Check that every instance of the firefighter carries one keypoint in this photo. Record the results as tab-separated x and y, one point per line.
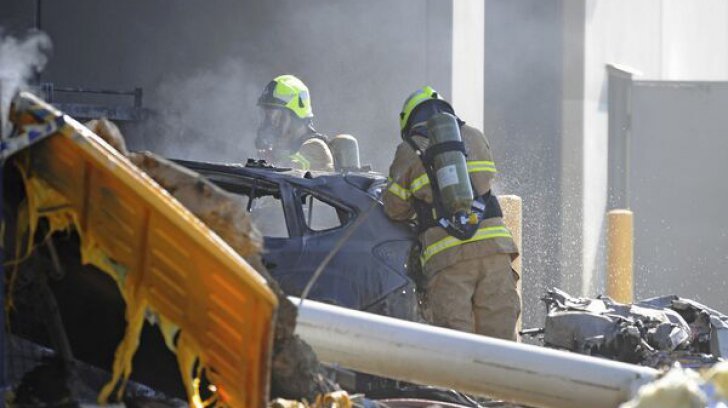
286	136
466	250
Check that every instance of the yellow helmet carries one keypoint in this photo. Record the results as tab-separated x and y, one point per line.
416	98
289	92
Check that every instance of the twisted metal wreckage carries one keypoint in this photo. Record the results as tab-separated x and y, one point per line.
656	332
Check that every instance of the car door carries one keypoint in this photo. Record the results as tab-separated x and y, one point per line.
282	243
323	222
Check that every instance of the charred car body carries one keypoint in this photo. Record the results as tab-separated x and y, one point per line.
303	216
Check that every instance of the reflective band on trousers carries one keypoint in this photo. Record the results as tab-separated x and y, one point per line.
473	167
298	158
448	242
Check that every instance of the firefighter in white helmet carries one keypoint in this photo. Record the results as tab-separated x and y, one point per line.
441	174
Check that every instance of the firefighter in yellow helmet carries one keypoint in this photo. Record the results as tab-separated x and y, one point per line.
286	136
441	175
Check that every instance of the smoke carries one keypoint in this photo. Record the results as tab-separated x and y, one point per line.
359	59
20	59
208	115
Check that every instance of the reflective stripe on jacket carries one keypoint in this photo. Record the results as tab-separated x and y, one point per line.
409	181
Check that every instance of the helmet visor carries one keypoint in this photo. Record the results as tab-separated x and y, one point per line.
275	124
272	117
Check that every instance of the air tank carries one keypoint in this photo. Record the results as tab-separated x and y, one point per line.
345	150
450	167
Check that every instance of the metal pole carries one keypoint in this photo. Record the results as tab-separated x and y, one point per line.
3	231
3	340
466	362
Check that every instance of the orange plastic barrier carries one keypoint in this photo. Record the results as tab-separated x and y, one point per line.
162	257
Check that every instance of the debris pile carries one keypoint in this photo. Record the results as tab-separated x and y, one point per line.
655	332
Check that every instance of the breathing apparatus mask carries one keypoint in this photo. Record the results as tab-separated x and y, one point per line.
274	134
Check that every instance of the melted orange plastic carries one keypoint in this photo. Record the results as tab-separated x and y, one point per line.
162	258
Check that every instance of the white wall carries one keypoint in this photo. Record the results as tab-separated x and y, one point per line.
468	48
694	40
662	39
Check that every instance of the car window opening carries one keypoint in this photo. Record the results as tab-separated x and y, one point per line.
321	215
267	214
261	198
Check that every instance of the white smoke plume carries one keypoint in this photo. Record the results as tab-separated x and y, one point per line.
208	115
20	59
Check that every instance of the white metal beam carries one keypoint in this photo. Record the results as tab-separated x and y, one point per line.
469	363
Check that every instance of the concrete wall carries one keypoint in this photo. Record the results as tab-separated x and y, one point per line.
679	195
210	60
523	87
662	39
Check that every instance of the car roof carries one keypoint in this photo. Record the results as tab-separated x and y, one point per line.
361	180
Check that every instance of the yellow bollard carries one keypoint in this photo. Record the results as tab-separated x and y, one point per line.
512	207
620	244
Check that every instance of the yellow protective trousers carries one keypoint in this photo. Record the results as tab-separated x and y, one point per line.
477	296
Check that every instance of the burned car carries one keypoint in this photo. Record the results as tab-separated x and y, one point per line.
304	216
655	332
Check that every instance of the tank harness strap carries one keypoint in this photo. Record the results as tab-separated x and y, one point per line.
426	217
490	206
434	150
485	206
426	157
